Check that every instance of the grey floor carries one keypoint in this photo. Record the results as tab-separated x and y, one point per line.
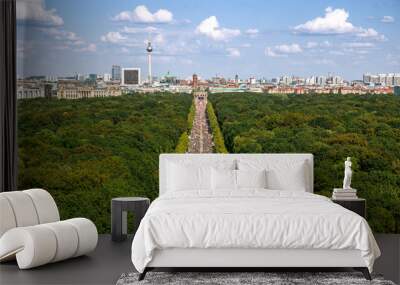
110	260
103	266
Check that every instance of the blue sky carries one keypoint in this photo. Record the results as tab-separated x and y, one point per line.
248	38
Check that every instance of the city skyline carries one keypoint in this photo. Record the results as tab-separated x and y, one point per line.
348	39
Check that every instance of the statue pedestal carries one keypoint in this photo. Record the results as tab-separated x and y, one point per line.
344	194
350	190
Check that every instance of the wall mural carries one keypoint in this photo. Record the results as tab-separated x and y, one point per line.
106	86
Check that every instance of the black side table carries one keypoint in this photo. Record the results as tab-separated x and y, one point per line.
357	205
119	208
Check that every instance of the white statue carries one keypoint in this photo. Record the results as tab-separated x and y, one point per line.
347	174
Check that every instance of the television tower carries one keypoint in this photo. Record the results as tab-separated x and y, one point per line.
149	49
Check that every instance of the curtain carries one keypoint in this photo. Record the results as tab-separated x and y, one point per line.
8	101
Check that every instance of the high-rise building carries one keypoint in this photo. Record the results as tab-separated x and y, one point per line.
130	76
82	77
396	79
389	79
321	80
93	77
382	78
51	78
286	80
386	79
106	77
149	50
374	79
396	90
313	80
337	80
236	79
116	72
367	78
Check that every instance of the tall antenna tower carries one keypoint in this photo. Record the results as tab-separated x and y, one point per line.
149	50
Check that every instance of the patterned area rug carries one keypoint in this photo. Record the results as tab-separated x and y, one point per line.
243	278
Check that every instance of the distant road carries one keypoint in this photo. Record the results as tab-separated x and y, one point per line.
200	136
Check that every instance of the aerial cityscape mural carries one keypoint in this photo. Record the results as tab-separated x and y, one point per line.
105	86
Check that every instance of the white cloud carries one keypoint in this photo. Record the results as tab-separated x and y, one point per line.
69	39
324	61
165	58
356	50
367	33
335	21
323	44
62	47
187	61
359	45
142	15
293	48
113	37
158	39
283	50
387	19
311	45
270	52
252	31
132	43
88	48
370	33
124	50
35	10
60	34
135	30
233	52
124	38
326	44
210	28
336	52
91	47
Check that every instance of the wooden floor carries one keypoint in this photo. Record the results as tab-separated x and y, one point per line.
110	260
